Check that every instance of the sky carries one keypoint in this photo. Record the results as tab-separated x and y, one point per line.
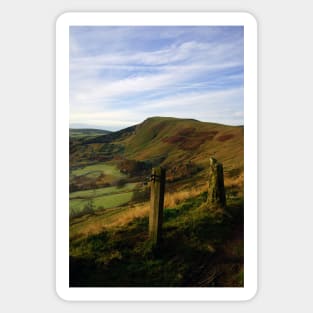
119	76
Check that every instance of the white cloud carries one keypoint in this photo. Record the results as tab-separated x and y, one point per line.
218	106
102	92
180	77
175	77
108	119
208	54
209	98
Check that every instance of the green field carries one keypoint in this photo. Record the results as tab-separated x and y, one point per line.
93	171
101	191
103	198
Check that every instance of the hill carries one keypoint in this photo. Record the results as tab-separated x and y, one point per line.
109	206
173	140
166	141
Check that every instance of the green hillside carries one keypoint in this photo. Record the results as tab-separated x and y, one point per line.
175	140
166	141
109	206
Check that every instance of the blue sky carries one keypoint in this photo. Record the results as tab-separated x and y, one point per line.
119	76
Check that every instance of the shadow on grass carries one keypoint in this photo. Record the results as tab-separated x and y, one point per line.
194	241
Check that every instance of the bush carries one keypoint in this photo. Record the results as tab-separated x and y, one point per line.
134	168
89	208
141	195
121	183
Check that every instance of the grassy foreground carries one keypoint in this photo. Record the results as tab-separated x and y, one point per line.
200	247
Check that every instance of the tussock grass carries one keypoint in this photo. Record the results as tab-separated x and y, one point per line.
117	217
107	220
172	199
137	211
234	181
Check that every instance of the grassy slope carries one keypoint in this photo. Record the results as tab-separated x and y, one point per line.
185	139
110	247
200	248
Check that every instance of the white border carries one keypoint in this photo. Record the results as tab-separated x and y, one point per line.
250	156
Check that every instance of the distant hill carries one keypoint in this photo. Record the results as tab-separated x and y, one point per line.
111	136
173	140
166	141
90	132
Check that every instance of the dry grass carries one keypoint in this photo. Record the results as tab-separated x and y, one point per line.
96	224
236	181
172	199
140	210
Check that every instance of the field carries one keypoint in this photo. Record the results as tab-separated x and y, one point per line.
103	198
100	198
109	206
96	170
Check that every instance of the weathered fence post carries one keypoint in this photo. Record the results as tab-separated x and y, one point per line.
216	192
156	204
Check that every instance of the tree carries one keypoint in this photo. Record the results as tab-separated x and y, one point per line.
89	207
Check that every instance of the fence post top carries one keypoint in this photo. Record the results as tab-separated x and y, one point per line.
158	169
157	174
213	161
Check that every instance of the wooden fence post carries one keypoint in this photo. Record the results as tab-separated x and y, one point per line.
156	204
216	192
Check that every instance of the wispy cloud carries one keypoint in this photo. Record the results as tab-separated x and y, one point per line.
116	80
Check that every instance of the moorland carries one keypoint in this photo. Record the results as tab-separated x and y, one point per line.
109	205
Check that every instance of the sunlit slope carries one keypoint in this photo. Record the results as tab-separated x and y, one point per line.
165	141
172	140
